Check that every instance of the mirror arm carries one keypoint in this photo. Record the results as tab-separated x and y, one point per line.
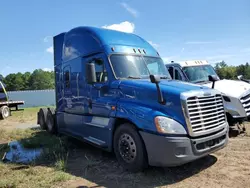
160	96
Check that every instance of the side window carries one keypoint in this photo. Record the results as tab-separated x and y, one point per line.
171	71
67	79
101	73
177	74
153	68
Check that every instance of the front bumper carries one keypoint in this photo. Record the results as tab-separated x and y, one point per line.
175	151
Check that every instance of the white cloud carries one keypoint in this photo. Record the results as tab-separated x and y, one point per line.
50	50
47	69
132	11
123	26
219	57
199	42
47	39
153	44
246	50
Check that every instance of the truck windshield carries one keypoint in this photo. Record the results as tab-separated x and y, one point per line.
136	67
198	74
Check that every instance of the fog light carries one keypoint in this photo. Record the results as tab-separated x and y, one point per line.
180	151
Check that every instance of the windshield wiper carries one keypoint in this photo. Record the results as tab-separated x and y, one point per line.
134	77
164	77
203	81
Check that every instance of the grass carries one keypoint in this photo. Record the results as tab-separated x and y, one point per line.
48	169
30	176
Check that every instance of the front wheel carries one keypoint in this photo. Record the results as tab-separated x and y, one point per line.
129	148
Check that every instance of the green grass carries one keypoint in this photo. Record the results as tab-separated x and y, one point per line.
46	171
30	176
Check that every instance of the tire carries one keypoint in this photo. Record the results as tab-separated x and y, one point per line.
42	118
4	112
51	123
129	148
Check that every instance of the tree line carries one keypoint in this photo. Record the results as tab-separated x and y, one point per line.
231	72
37	80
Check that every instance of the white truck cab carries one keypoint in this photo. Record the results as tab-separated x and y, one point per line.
236	93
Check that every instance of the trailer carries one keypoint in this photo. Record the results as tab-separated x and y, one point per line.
5	104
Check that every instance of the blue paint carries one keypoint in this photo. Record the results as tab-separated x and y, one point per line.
115	95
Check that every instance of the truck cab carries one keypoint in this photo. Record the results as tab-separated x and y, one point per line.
236	93
114	92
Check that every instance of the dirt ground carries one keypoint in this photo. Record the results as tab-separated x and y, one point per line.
92	167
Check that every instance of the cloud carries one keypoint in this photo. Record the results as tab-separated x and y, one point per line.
47	39
123	26
47	69
199	42
153	44
50	50
220	57
182	50
245	50
132	11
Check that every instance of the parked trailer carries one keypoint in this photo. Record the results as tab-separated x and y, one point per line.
114	92
6	104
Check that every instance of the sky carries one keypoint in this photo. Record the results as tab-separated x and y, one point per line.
212	30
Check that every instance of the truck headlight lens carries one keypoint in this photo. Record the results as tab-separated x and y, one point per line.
169	126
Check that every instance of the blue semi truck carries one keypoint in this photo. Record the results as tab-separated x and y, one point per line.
114	92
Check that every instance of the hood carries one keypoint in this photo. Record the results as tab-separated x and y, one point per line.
169	86
143	93
233	88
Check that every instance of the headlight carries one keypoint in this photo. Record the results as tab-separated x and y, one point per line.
167	125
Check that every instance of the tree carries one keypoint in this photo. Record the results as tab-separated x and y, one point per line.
26	77
40	79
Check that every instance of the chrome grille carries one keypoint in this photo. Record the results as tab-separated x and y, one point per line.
246	103
206	114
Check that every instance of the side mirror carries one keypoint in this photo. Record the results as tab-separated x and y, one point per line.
90	73
239	77
155	79
213	78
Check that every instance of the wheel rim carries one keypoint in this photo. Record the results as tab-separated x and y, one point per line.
5	112
127	148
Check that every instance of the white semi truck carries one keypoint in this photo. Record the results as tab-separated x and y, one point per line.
236	93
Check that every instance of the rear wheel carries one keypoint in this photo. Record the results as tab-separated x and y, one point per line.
42	118
4	112
51	123
129	148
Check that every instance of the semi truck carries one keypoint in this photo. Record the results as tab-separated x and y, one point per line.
236	93
114	92
5	103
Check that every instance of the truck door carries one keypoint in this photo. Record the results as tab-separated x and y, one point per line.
102	103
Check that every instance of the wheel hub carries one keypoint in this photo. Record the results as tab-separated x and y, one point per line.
127	148
5	112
